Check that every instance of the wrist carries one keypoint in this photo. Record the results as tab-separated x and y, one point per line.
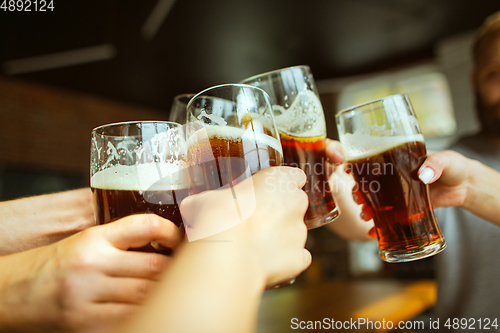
230	256
482	192
473	179
70	212
42	220
20	289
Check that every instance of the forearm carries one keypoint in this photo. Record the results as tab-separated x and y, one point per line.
483	192
212	286
36	221
27	292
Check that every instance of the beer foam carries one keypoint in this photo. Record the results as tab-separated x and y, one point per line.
359	145
142	177
304	118
234	133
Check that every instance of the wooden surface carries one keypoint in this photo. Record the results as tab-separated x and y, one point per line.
375	300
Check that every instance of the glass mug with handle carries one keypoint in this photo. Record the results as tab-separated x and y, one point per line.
139	167
384	149
301	122
231	134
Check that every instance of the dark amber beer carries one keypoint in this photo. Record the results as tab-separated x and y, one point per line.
221	156
390	187
120	191
309	155
112	205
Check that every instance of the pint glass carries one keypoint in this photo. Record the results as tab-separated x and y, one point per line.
231	134
138	167
384	149
301	123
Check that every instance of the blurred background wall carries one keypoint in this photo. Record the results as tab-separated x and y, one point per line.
45	135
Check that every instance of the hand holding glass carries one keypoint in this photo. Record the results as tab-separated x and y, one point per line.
384	149
231	134
138	167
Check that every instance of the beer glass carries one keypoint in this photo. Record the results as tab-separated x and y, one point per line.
178	108
384	149
231	134
301	123
138	167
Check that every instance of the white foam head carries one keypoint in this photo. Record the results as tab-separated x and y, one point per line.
360	145
143	177
229	132
304	118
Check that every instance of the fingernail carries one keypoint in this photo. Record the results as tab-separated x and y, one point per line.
426	175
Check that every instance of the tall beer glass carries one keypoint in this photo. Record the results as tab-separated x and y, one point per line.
138	167
178	109
231	134
301	123
384	148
